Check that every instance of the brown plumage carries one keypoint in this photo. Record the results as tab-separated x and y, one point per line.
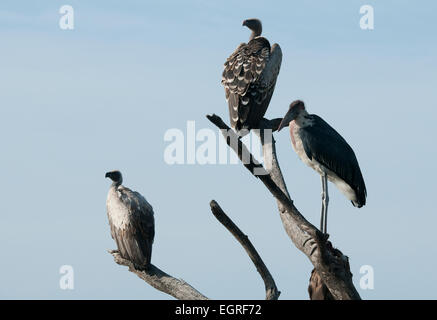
249	78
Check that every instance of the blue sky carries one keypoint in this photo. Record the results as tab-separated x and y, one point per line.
77	103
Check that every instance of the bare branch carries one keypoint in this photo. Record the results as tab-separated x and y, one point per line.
272	292
330	263
161	280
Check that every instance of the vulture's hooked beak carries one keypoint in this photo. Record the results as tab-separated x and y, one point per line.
244	23
107	174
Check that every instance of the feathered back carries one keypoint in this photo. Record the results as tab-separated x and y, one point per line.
249	79
329	148
132	224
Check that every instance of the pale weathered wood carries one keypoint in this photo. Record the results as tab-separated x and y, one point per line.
160	280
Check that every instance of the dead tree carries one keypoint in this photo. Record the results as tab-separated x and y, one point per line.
331	277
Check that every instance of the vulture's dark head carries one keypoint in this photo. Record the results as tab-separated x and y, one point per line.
296	107
254	25
114	176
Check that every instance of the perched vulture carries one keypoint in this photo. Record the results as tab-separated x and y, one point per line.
249	78
131	221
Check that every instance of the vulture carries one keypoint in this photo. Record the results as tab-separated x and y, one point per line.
131	221
249	78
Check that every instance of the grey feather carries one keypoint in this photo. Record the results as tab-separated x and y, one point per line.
134	237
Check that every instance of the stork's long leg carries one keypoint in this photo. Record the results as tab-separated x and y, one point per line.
322	214
325	200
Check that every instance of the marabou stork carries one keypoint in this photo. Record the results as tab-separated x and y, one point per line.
131	221
322	148
249	78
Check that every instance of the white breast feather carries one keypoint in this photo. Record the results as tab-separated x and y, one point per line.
299	149
117	211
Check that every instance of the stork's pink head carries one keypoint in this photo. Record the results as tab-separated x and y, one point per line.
296	107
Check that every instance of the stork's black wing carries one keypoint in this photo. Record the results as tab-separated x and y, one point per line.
249	78
322	143
142	225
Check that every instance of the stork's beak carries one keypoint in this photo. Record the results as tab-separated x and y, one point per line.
282	124
289	116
